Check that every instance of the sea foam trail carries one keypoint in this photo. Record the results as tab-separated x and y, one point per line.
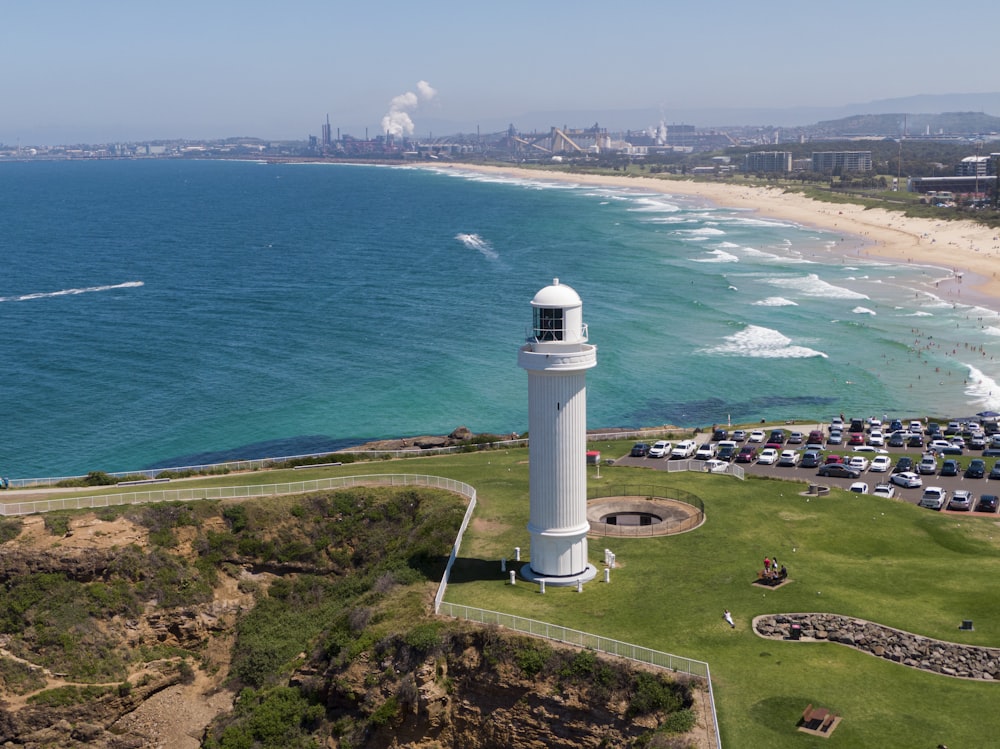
759	342
476	242
983	389
71	292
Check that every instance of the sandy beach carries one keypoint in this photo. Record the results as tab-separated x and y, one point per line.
965	254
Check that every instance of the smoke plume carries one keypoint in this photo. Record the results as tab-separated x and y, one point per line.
397	121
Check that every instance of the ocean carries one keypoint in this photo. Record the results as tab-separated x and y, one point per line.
165	313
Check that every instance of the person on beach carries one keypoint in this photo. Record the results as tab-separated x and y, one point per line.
729	618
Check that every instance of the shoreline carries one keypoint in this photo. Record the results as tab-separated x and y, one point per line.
971	252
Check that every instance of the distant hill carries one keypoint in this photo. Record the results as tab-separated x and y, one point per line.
708	117
892	125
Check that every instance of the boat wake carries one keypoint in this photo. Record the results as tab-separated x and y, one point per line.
476	242
71	292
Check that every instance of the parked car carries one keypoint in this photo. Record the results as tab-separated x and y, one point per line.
915	440
811	459
684	449
660	449
880	464
757	435
988	503
778	436
994	474
949	468
951	450
876	438
767	456
938	444
714	465
906	479
856	461
838	470
706	451
896	439
639	450
977	442
815	436
933	497
884	490
836	437
747	454
789	458
904	464
927	466
859	487
856	438
720	434
727	450
815	447
961	500
834	458
739	435
976	469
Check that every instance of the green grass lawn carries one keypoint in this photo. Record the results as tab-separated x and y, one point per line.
849	554
881	560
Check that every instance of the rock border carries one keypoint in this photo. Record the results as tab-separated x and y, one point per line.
924	653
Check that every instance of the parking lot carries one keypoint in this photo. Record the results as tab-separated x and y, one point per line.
976	486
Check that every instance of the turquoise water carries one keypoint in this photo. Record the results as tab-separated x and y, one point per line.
167	312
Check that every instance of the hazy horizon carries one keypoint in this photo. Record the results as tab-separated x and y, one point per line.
118	71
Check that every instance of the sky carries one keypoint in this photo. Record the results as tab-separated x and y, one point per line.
109	70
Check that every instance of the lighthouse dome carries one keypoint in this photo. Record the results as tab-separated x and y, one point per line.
557	296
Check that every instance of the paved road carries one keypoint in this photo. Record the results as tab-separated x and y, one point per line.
808	475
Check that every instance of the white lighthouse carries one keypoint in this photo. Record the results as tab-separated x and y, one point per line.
557	356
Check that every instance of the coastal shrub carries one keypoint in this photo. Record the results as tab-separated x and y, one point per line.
10	528
56	523
235	517
652	693
532	658
100	478
386	712
20	678
279	717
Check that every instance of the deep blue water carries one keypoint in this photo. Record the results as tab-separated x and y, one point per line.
169	312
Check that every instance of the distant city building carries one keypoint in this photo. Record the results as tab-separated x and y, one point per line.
768	161
842	161
972	166
956	185
327	135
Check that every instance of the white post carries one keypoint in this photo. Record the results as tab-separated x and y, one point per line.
513	577
541	586
503	564
579	586
517	553
607	575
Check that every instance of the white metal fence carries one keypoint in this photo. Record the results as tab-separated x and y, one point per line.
232	492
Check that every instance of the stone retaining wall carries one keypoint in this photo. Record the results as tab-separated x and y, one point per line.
951	659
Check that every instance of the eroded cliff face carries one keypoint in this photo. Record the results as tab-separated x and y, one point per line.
158	674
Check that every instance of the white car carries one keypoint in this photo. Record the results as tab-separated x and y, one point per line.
684	449
859	487
767	456
906	479
869	449
884	490
856	461
706	451
933	497
714	465
789	458
660	449
936	445
880	464
757	435
875	438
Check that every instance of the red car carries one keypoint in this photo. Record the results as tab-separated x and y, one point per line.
857	438
747	454
834	459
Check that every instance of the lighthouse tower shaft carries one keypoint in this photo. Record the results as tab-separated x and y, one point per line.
557	357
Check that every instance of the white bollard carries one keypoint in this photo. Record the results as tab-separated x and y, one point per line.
513	577
503	564
517	553
579	586
541	586
607	556
607	575
612	565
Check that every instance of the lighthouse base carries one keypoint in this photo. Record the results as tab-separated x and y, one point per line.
589	573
